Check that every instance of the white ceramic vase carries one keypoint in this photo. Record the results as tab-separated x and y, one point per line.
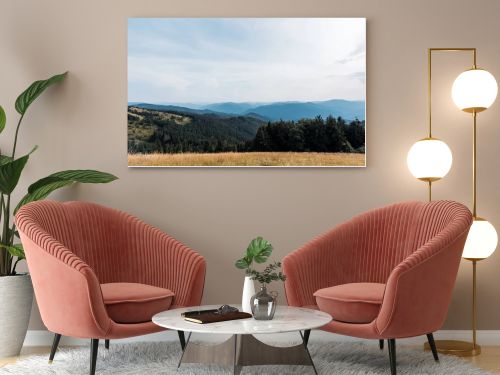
248	292
16	298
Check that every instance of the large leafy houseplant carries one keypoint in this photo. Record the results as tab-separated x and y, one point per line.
11	168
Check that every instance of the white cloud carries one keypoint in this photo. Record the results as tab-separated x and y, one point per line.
213	60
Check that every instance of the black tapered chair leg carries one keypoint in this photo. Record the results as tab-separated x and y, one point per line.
392	355
182	339
381	344
106	344
94	346
432	344
307	333
55	344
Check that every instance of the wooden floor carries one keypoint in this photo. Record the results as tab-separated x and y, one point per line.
488	360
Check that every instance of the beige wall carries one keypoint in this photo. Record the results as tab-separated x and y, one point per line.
82	124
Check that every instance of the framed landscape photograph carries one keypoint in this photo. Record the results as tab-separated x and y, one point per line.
254	92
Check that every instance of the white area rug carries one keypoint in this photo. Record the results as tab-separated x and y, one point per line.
162	358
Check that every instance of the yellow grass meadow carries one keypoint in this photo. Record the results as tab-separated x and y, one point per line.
248	159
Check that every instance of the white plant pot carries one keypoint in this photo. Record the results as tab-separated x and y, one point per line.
16	298
248	292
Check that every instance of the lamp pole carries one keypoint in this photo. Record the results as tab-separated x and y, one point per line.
454	347
429	96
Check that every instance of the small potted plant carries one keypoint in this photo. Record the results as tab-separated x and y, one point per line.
258	251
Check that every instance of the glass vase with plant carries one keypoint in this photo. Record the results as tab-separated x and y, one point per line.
258	251
262	305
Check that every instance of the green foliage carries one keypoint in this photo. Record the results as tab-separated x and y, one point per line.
355	133
29	95
3	119
175	132
306	135
15	250
258	250
43	187
11	170
269	274
161	130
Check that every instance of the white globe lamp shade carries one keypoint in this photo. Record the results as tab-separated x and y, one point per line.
481	241
474	90
429	159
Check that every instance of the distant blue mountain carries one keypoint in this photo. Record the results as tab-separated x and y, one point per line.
288	111
348	110
230	107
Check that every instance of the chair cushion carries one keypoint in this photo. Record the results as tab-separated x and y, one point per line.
351	303
135	303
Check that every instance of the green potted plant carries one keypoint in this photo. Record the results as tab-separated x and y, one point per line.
16	291
259	250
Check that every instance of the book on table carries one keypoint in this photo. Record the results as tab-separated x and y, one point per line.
213	316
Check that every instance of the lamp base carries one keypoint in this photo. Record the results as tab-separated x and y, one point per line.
456	348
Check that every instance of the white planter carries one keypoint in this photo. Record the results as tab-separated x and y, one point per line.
248	292
16	298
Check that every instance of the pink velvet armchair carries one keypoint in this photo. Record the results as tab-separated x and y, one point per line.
99	273
385	274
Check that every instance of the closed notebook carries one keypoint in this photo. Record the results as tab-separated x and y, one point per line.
212	317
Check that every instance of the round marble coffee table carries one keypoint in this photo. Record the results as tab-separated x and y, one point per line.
242	348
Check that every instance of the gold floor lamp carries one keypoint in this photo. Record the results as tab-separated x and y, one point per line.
430	159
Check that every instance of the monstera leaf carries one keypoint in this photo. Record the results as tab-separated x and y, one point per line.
43	187
258	250
31	93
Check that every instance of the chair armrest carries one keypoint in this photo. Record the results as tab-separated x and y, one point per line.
165	262
66	289
419	289
321	263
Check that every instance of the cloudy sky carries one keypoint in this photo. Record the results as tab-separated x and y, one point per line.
245	60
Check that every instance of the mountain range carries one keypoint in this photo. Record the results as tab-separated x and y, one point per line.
288	111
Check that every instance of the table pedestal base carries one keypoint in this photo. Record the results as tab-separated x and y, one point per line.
246	350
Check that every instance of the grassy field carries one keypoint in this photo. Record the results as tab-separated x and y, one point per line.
229	159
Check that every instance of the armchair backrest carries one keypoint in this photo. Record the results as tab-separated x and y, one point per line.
368	247
94	233
386	236
379	241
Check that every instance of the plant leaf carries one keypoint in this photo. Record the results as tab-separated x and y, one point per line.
4	159
43	187
29	95
86	176
3	119
242	263
42	193
10	172
15	250
259	250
